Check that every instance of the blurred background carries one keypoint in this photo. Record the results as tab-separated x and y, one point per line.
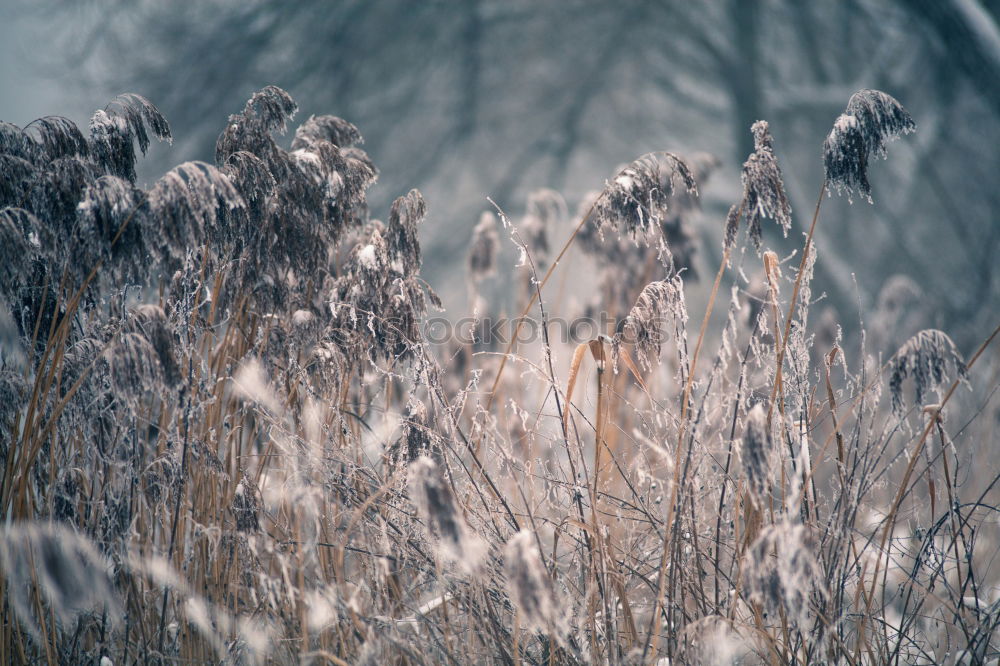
470	99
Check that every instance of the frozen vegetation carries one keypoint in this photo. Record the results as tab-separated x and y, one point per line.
227	435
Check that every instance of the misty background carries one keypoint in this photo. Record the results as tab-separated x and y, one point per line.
487	98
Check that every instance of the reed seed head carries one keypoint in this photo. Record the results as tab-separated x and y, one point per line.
442	516
758	455
72	576
658	303
639	196
871	120
764	190
783	574
529	585
482	257
929	357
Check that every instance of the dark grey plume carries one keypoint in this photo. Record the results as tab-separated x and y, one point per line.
417	438
358	174
376	308
881	118
14	141
272	107
57	137
759	456
135	368
872	119
764	190
783	573
56	192
139	113
442	515
64	567
268	110
732	227
928	357
115	131
187	201
106	226
639	196
545	209
251	177
482	256
336	130
19	245
16	174
14	394
407	212
529	584
151	322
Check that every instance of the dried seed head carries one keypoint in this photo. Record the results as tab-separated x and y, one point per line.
16	174
658	303
732	227
417	438
871	120
763	189
108	228
713	641
929	357
56	192
782	572
759	456
406	213
79	357
482	256
271	107
140	114
639	196
71	574
15	142
376	309
188	201
266	111
151	321
898	293
135	367
13	397
529	585
57	137
252	178
546	208
336	130
442	517
19	246
116	129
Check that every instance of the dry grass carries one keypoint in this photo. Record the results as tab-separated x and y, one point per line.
225	438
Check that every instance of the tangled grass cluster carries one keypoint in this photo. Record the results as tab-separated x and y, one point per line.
224	438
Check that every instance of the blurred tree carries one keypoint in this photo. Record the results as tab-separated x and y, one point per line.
497	97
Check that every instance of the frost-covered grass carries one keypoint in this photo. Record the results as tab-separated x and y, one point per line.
226	436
